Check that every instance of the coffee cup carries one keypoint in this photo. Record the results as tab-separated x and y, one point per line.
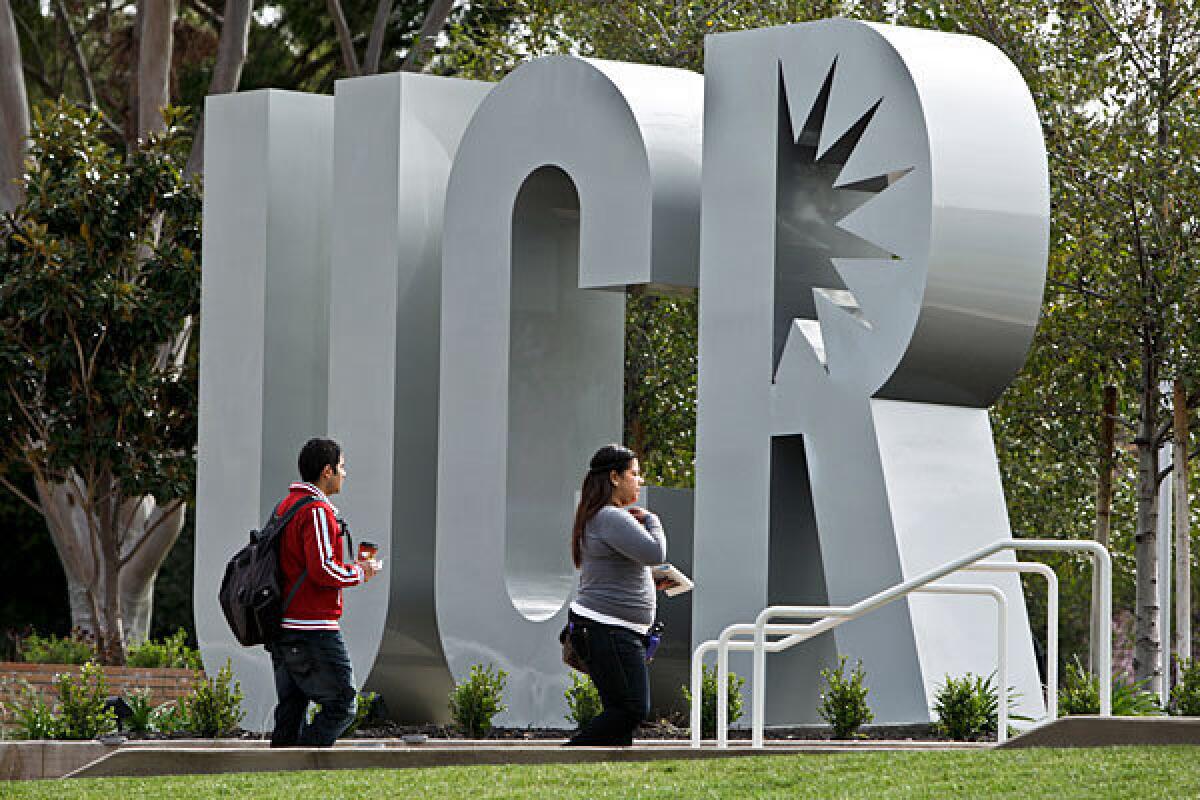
367	550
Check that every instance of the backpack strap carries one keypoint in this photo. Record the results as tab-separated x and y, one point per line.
283	523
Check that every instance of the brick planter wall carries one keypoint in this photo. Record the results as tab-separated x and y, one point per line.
164	684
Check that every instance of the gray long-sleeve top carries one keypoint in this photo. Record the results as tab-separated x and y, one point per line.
617	553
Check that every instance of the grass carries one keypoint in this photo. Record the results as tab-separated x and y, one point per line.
1107	772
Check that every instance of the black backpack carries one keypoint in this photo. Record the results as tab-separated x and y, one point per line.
251	592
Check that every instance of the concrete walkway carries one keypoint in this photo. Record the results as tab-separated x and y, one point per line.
33	760
144	760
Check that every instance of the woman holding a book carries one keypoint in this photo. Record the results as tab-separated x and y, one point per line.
614	544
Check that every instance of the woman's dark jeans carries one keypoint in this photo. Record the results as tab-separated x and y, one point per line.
616	660
311	665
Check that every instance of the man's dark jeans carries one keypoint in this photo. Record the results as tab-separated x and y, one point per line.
616	661
311	665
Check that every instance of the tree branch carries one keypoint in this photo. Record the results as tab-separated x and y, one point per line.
1132	45
349	60
383	13
227	71
1080	289
85	73
431	26
12	487
137	546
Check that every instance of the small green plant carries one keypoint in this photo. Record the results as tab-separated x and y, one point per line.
1185	696
140	711
363	702
583	700
362	711
81	702
214	706
968	708
476	700
170	718
172	651
35	719
1080	694
708	700
76	648
844	700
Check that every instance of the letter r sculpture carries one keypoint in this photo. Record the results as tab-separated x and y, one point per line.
875	206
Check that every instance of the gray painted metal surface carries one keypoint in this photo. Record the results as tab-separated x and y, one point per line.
574	175
872	262
871	267
395	139
264	352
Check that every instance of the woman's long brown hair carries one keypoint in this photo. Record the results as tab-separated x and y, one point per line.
597	491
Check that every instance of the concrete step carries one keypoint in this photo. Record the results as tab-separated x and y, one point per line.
1086	731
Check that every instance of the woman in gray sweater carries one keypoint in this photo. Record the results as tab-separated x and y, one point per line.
613	544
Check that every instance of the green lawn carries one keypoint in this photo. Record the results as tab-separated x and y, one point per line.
1125	772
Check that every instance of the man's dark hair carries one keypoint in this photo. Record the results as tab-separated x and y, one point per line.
315	454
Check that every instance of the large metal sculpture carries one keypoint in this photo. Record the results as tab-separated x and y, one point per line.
874	237
596	189
874	246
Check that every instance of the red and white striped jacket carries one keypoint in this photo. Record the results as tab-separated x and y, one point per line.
314	539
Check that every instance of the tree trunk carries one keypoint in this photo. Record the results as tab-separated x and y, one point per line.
163	525
1147	649
345	40
14	111
137	531
227	72
1104	498
156	22
1183	549
431	26
383	13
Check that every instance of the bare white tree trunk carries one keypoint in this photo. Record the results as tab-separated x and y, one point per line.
156	21
1104	497
145	533
162	524
14	111
383	12
227	72
1183	541
1147	648
345	40
431	26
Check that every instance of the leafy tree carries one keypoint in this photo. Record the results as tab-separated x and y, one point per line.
1117	86
98	397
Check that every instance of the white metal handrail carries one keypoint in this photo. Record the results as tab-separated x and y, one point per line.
829	617
804	632
1038	568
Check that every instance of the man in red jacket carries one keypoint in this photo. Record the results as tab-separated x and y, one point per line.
309	656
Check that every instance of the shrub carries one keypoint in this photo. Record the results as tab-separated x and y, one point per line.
476	700
214	706
169	718
362	711
1080	694
1185	697
363	703
77	648
140	711
81	704
708	700
967	708
844	701
172	651
35	719
583	700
